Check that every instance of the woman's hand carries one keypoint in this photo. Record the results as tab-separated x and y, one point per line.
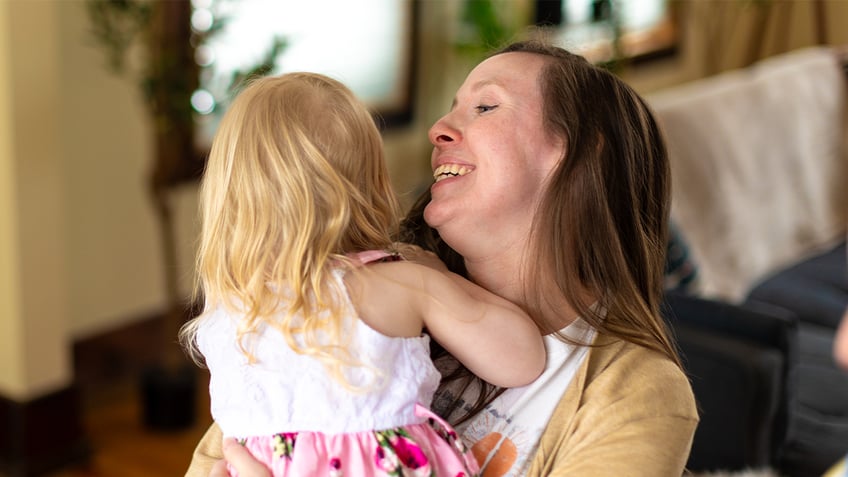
240	459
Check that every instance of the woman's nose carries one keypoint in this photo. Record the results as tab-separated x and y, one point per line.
442	132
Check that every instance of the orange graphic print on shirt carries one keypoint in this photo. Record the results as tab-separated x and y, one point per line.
501	460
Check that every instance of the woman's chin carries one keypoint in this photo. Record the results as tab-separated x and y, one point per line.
433	214
441	213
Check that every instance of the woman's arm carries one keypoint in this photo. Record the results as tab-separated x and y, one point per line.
654	447
630	411
208	451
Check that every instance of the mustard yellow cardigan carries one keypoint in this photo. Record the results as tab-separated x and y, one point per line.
628	411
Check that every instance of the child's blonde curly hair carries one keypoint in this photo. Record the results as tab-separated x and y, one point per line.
296	178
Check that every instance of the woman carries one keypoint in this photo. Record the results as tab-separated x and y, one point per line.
331	354
552	183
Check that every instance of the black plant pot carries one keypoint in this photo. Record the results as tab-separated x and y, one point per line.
168	397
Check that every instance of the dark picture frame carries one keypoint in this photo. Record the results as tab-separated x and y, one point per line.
612	39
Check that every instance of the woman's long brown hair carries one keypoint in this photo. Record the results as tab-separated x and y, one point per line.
603	220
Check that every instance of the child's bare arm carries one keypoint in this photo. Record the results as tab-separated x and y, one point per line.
493	337
490	335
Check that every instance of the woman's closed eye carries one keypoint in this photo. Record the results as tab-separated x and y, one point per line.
485	108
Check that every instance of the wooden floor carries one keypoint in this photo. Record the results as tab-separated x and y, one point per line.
123	447
108	370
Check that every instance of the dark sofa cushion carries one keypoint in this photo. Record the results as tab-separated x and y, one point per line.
738	360
818	434
738	385
815	289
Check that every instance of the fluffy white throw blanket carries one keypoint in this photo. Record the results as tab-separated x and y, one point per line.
759	166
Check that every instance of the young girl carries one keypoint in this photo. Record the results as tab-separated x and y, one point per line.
313	325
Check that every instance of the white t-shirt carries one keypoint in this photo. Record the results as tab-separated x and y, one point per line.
506	433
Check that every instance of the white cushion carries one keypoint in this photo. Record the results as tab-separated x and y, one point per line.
759	166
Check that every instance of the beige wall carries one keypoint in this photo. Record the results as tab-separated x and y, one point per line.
79	246
36	322
114	269
10	307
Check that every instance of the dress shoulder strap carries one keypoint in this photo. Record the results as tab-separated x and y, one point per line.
374	256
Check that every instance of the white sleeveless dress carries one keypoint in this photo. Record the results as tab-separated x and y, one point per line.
298	420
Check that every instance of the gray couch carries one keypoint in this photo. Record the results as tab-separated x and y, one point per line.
760	196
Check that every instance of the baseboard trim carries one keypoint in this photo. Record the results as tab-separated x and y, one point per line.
42	434
123	353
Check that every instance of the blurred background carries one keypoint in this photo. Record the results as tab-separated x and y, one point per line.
106	109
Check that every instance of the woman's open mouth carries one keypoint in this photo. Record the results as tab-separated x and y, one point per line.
447	171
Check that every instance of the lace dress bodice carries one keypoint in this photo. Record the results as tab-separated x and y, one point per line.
283	391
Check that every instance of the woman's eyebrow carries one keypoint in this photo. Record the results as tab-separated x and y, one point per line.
478	86
486	82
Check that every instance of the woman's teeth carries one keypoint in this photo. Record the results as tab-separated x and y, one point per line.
450	170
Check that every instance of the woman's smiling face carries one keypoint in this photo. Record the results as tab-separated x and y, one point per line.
492	155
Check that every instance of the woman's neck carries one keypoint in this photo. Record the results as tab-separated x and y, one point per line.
499	276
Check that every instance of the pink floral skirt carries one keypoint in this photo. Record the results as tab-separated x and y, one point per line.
431	448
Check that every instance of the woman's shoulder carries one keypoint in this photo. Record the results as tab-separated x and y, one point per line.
628	403
622	370
614	351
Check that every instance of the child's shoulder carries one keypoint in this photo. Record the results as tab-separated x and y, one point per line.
401	270
388	296
410	260
374	256
394	281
